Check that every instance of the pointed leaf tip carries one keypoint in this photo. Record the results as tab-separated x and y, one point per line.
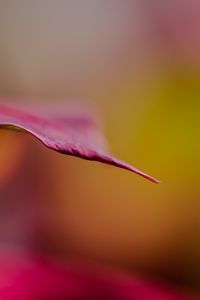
74	134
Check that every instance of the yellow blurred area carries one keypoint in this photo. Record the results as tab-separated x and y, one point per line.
111	215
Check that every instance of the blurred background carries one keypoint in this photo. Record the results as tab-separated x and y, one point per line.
138	63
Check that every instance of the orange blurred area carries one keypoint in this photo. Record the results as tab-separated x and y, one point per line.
11	156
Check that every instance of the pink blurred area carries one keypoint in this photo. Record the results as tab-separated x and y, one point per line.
35	277
138	63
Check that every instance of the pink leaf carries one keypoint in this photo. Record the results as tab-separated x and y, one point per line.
72	134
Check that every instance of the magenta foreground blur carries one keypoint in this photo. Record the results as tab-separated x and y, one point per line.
75	135
33	278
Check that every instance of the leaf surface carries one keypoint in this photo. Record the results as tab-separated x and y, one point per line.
69	133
